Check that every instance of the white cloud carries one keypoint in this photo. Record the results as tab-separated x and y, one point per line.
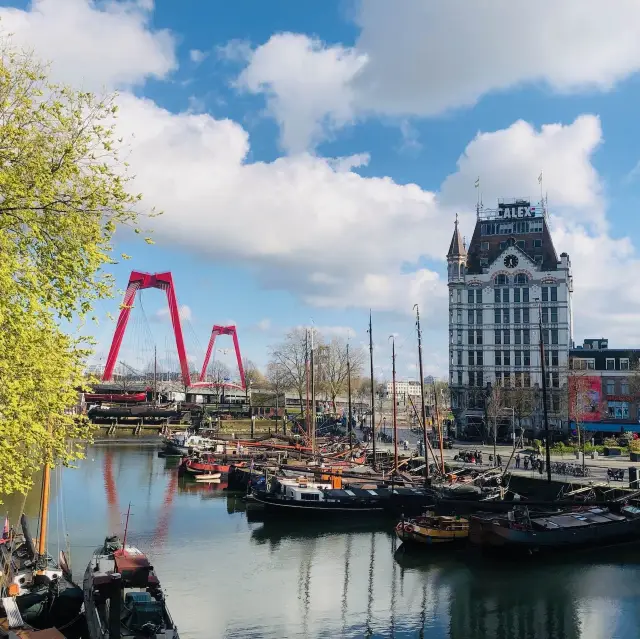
93	46
306	84
424	58
197	56
184	312
235	51
263	325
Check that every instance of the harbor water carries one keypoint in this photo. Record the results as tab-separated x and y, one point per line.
229	574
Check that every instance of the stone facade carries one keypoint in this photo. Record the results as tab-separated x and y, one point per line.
499	288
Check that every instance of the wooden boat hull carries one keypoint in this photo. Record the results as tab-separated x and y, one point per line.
490	534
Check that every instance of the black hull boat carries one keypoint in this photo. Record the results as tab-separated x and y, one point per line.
522	531
38	593
123	597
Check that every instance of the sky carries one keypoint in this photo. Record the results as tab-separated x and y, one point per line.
310	158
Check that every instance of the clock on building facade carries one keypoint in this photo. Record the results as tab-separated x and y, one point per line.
511	261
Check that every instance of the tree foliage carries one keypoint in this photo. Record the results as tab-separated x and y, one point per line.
63	192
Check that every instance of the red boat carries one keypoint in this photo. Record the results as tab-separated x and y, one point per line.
122	398
205	465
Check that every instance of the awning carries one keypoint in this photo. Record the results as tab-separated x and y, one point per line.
608	427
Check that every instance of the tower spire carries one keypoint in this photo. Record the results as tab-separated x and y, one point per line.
456	248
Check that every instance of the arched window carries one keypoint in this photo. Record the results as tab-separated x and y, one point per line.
521	278
455	270
501	279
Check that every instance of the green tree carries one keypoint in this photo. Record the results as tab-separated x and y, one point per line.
63	193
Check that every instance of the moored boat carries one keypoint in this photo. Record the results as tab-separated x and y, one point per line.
576	528
433	529
122	595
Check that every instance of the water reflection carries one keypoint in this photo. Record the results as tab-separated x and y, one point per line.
229	573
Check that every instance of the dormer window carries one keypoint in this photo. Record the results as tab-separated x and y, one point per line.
521	278
501	279
538	259
511	241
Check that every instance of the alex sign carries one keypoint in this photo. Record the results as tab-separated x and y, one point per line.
585	398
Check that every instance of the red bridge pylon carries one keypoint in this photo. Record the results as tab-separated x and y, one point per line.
222	330
139	281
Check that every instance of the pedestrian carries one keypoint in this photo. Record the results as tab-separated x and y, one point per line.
499	460
540	467
526	463
518	460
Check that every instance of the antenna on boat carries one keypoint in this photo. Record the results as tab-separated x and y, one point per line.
373	398
126	529
395	421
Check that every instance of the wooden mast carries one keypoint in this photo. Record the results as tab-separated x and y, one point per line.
435	399
395	421
422	395
44	502
373	397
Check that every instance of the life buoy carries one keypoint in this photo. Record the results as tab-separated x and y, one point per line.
408	528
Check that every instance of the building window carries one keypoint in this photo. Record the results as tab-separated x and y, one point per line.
497	315
480	382
478	317
518	358
516	315
484	262
484	246
554	293
478	338
624	364
503	245
611	387
498	358
501	279
472	378
624	388
545	315
521	278
537	243
545	293
459	337
505	315
611	364
526	358
506	358
506	338
505	295
618	410
459	316
525	315
470	293
518	380
526	380
517	334
556	403
555	380
479	296
581	364
498	336
554	358
498	376
554	335
471	358
479	358
496	296
545	337
459	378
459	296
470	337
526	336
538	259
554	315
470	316
516	295
459	358
525	295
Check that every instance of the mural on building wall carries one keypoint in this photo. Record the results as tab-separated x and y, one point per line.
585	398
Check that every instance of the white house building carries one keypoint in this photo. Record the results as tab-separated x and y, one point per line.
410	387
509	276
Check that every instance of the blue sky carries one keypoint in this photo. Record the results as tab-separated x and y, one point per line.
310	157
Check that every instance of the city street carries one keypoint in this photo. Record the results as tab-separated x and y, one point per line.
597	467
